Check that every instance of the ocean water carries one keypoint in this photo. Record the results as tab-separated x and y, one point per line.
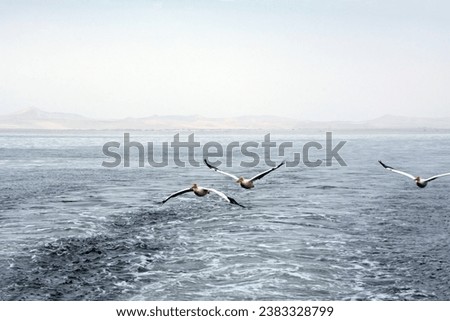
71	229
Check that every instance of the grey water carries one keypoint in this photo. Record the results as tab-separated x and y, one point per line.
71	229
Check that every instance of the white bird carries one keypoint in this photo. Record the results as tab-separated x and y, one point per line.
202	191
245	183
419	181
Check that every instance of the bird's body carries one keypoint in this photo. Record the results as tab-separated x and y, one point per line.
420	182
199	191
243	182
202	191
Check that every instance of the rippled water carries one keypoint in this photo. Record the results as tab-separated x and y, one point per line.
74	230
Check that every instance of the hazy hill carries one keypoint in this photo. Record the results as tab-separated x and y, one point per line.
33	118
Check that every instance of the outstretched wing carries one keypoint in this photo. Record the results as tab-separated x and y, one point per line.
177	193
389	168
227	198
261	175
436	176
219	171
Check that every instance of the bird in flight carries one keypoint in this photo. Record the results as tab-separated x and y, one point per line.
245	183
202	191
421	182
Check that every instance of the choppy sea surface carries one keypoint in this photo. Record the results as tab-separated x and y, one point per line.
71	229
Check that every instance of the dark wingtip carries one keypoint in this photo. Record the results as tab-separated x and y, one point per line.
383	164
233	201
279	165
207	164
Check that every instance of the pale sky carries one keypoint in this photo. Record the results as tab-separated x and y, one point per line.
305	59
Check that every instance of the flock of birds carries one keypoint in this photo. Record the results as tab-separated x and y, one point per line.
243	182
248	183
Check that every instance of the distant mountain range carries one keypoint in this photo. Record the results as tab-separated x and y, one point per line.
33	118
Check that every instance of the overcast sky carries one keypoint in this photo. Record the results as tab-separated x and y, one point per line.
306	59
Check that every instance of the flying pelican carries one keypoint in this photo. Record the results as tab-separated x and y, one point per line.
419	181
202	191
245	183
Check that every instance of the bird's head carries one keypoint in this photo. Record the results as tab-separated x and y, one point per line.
194	185
240	180
417	179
